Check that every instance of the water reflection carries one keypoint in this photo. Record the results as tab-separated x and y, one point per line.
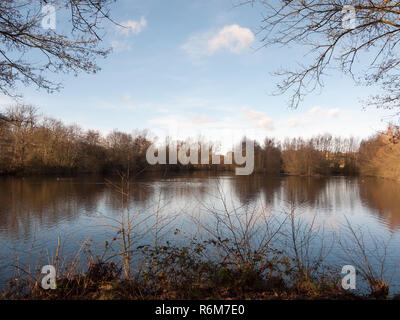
40	209
44	202
249	188
383	197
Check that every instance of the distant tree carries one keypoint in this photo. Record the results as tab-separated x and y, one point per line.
267	158
91	152
28	51
320	155
324	28
24	119
380	154
273	156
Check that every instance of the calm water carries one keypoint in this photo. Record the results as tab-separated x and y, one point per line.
35	211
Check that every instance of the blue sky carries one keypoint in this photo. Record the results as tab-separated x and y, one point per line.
190	68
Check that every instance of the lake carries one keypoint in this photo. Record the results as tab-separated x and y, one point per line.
35	211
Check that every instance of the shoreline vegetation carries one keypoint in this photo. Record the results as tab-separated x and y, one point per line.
235	261
217	269
31	144
176	273
246	253
240	253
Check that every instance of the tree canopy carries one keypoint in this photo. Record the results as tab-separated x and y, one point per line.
368	50
29	53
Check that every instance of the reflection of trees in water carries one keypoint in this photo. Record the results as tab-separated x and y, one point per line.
383	196
24	203
299	190
249	188
333	195
140	193
31	203
184	187
318	192
149	189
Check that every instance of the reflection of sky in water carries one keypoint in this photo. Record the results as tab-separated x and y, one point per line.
35	211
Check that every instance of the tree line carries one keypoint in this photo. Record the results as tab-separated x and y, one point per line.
32	144
380	155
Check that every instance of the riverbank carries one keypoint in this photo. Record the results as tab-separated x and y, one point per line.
186	279
181	274
276	238
33	144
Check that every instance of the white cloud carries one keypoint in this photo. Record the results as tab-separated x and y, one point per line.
259	119
314	115
4	101
295	122
132	27
162	110
202	118
128	99
226	129
333	113
170	122
126	28
245	119
314	110
120	46
173	121
233	38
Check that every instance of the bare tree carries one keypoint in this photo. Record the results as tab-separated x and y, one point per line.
242	235
28	51
318	25
370	260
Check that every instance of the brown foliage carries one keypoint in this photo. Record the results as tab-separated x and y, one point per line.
380	155
31	144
